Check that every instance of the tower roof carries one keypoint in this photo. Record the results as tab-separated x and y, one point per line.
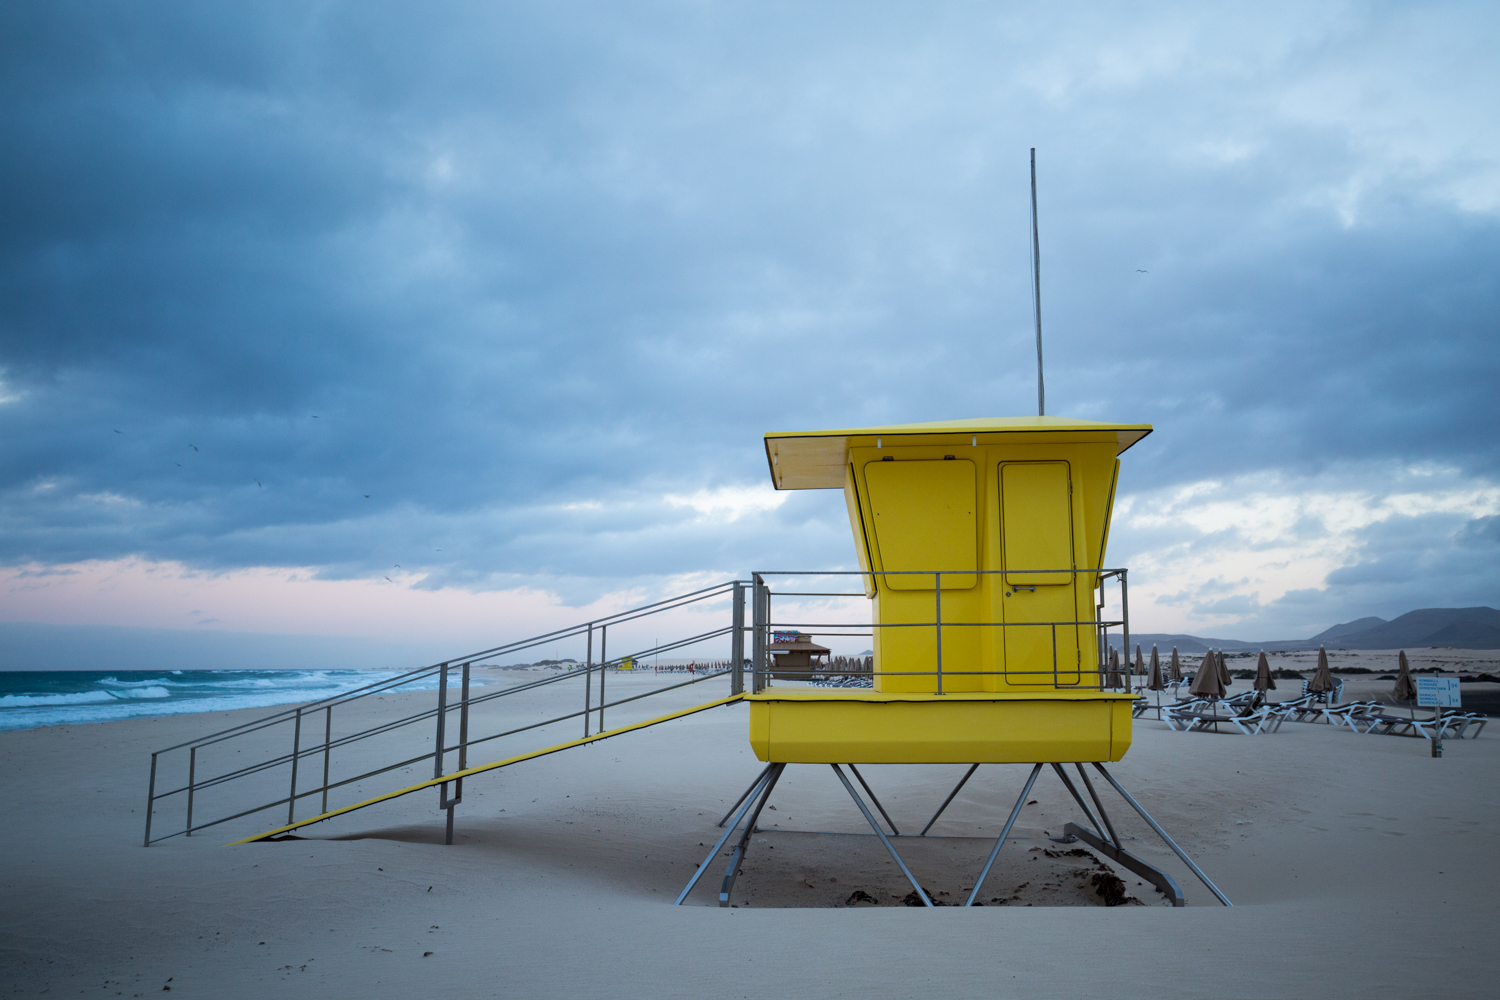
815	460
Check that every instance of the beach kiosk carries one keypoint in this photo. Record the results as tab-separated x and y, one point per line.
795	656
981	548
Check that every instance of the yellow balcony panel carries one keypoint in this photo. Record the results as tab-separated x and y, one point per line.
873	727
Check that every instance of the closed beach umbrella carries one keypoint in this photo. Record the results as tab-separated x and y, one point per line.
1140	667
1224	677
1175	673
1405	689
1206	682
1263	681
1112	678
1322	680
1154	681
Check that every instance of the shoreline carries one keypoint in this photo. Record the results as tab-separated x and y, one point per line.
1368	683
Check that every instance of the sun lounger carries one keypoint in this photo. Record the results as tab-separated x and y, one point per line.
1456	725
1174	714
1298	708
1326	697
1357	715
1261	720
1460	722
1443	726
1477	720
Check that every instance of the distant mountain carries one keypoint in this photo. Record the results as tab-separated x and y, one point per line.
1346	629
1461	628
1465	628
1198	645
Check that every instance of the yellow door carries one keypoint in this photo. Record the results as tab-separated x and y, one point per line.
1036	533
924	520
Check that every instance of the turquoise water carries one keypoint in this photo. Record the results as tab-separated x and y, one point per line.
32	698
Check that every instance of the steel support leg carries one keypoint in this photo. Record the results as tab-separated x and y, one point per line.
999	843
1073	790
719	844
1163	835
865	785
738	854
921	894
753	786
1108	826
961	782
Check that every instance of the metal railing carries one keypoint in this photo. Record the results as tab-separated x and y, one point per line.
265	740
271	755
1105	679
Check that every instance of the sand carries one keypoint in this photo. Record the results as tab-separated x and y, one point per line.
1357	864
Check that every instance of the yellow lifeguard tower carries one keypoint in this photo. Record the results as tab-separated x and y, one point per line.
981	546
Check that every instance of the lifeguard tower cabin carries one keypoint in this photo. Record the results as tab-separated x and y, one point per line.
980	544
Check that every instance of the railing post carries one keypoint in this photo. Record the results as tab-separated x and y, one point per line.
588	681
463	730
192	775
603	668
327	739
756	633
766	675
442	734
1054	657
938	591
1124	622
291	804
1101	631
463	750
150	800
737	641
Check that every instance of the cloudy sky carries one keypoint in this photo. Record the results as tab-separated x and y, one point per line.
442	322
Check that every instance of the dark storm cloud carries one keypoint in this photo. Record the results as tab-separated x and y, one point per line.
520	258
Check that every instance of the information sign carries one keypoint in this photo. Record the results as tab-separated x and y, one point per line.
1438	692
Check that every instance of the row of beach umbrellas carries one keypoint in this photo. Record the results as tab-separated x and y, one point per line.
1212	678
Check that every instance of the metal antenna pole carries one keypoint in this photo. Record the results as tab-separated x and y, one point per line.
1036	292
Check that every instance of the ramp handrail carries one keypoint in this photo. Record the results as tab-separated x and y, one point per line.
480	769
299	753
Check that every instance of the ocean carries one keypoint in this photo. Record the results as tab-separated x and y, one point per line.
32	698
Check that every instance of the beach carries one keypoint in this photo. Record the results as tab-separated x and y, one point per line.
1357	864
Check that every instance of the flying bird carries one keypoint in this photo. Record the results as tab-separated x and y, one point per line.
389	580
367	496
178	464
194	447
398	565
257	483
117	431
315	416
1140	270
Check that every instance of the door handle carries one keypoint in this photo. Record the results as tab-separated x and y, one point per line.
1014	589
